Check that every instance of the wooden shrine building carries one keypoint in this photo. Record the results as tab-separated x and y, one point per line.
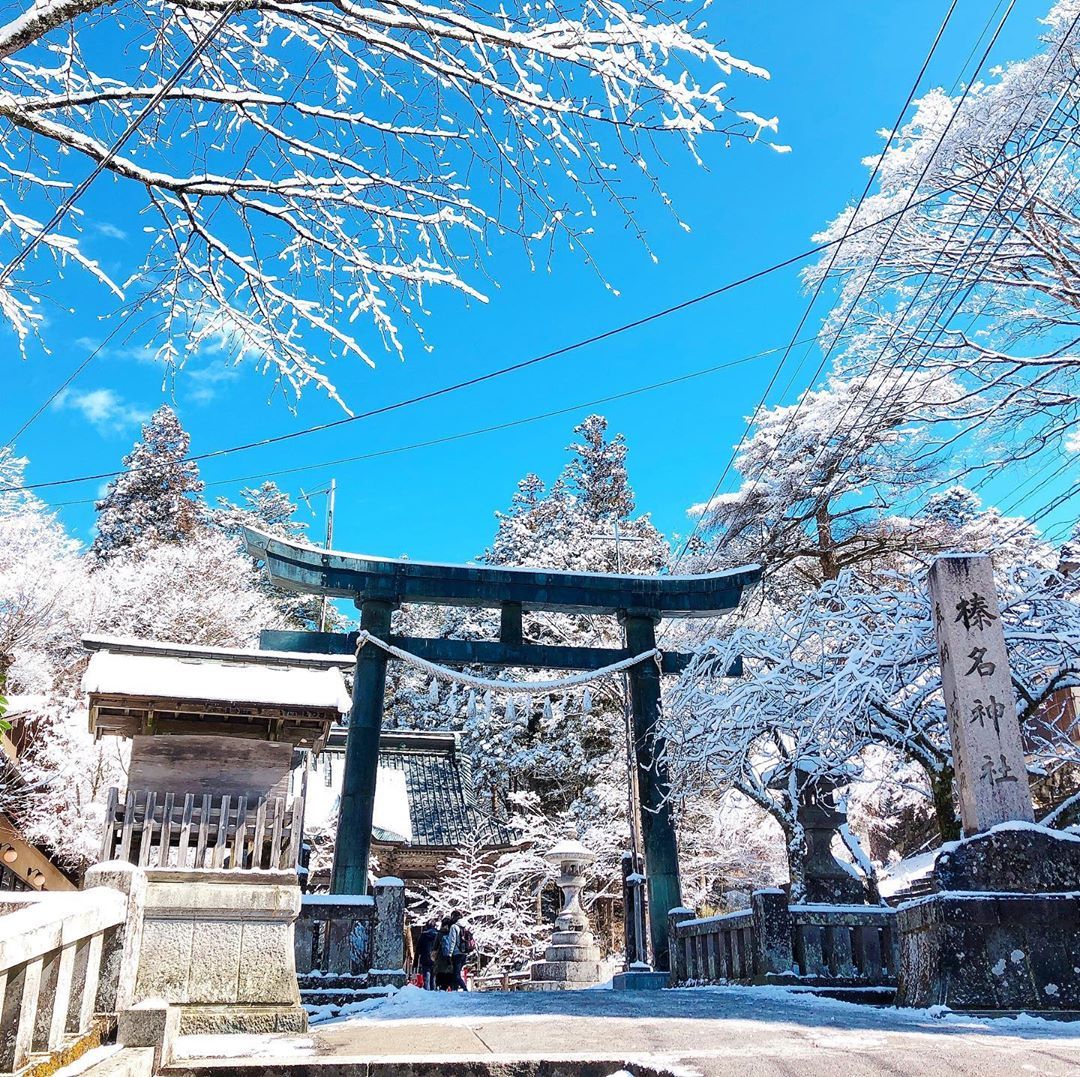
378	586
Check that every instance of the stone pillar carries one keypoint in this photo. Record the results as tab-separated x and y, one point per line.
988	754
388	957
657	826
1002	932
573	958
353	849
120	952
774	954
676	949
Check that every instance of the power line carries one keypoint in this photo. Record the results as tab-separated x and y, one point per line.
789	424
514	367
447	439
821	282
872	409
848	232
150	295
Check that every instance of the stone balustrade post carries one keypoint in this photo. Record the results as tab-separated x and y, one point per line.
388	955
773	950
120	949
676	946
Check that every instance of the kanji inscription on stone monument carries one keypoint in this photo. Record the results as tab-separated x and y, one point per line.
988	754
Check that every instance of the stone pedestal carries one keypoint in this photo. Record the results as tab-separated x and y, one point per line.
219	946
573	958
1003	933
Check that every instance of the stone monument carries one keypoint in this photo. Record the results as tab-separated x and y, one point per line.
1002	932
828	880
573	958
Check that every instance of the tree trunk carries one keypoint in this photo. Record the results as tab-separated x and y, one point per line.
826	556
941	788
796	856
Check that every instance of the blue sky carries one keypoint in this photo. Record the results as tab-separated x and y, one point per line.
839	72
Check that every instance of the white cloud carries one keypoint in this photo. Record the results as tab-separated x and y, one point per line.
110	230
105	410
206	379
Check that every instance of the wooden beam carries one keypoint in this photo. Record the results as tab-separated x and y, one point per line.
30	861
461	652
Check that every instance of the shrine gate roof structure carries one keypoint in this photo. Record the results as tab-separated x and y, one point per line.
301	567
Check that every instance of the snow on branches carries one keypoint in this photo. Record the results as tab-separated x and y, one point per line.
328	162
980	283
855	667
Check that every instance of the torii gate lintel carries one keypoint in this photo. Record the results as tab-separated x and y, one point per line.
379	585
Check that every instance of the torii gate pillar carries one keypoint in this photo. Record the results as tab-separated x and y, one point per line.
654	787
379	585
357	804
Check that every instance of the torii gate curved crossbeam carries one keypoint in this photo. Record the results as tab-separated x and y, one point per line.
379	585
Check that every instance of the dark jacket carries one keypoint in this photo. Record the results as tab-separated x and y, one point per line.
425	947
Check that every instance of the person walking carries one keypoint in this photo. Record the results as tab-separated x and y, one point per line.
425	952
462	946
444	957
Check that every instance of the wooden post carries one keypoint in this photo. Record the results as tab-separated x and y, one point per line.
657	827
988	754
353	849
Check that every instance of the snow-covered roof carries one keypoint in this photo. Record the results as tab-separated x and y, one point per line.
423	792
243	655
391	820
209	678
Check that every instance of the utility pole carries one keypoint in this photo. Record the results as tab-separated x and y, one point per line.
329	544
636	933
331	492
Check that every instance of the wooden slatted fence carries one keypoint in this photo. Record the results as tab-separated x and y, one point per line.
203	831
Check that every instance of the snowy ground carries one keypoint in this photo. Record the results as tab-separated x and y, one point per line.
707	1031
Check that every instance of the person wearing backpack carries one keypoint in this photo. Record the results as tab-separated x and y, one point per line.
426	954
463	945
444	956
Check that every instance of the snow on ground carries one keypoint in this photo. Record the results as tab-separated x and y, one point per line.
896	876
244	1045
413	1004
706	1032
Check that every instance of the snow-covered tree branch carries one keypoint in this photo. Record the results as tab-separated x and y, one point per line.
981	285
326	161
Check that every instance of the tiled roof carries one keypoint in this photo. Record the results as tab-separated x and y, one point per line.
438	778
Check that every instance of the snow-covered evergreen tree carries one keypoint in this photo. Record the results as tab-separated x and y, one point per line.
155	499
269	508
823	485
202	591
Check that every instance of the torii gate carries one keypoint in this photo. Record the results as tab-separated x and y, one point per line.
379	585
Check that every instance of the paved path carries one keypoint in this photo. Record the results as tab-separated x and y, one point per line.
707	1031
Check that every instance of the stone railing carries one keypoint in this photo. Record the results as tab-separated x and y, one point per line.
67	965
335	933
353	936
711	948
772	942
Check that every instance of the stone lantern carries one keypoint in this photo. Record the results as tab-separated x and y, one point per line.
573	958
